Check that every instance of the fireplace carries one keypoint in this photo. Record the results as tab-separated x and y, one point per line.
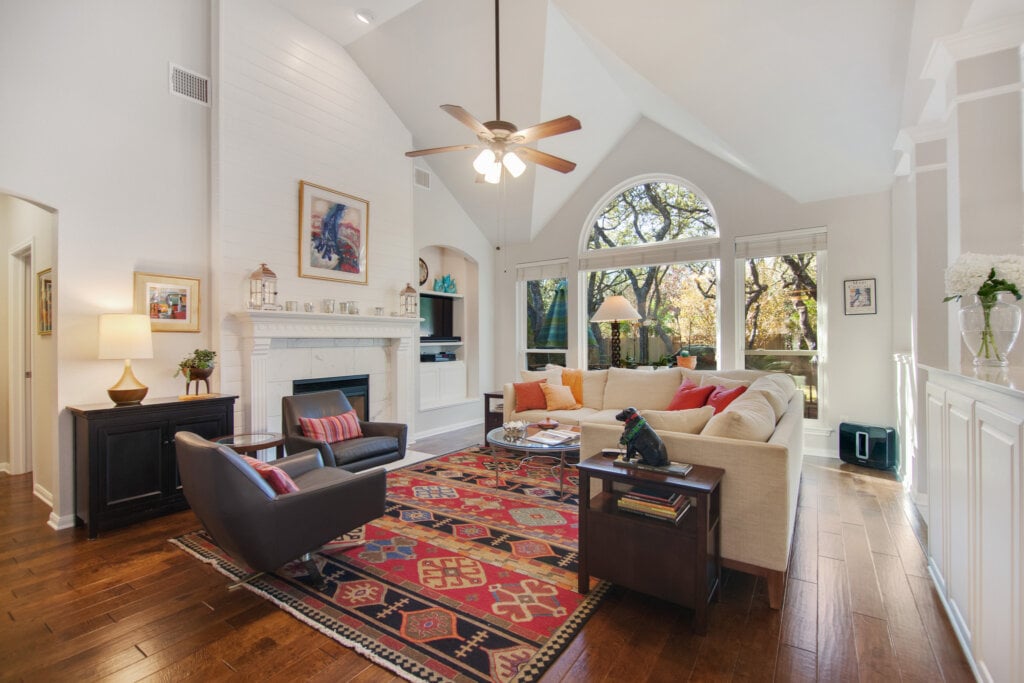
355	387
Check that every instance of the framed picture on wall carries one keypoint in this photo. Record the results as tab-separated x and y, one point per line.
860	297
44	301
171	302
334	231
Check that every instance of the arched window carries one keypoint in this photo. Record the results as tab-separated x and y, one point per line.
655	242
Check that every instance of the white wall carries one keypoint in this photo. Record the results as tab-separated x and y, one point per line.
441	222
88	127
294	106
22	222
857	372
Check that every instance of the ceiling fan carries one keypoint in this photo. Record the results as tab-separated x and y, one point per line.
502	142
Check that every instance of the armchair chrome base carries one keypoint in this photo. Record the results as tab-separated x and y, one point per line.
307	560
241	582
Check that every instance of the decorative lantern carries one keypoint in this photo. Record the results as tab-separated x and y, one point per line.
262	288
409	302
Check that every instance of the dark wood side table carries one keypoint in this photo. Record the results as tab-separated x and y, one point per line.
680	562
494	415
253	443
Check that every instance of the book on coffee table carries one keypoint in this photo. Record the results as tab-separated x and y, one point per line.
553	437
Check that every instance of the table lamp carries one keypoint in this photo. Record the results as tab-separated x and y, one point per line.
127	336
614	310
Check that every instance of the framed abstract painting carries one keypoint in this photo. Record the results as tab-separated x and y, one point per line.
860	297
171	302
333	235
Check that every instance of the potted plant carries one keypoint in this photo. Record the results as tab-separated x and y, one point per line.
196	366
685	360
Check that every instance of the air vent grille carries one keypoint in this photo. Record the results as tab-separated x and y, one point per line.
190	85
422	179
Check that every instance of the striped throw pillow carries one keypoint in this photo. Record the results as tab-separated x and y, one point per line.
332	429
277	478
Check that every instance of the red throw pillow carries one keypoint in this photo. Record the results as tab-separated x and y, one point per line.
277	478
689	396
721	397
529	396
332	429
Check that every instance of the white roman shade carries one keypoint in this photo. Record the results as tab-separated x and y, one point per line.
656	254
779	243
542	270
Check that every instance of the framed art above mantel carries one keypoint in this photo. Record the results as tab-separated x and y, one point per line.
333	235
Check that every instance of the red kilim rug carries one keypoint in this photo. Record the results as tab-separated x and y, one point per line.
467	577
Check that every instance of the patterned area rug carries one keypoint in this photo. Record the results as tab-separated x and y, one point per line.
469	576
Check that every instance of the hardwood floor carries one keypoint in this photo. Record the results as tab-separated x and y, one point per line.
130	606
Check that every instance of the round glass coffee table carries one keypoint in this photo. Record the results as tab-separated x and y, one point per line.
251	443
536	453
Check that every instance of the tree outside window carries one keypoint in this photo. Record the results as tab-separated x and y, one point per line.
546	322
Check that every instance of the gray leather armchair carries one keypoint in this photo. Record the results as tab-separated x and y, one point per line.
265	530
381	443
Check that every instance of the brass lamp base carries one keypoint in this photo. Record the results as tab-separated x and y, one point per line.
128	391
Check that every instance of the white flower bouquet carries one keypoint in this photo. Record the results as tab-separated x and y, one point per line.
985	276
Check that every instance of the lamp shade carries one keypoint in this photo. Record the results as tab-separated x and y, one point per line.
614	308
125	335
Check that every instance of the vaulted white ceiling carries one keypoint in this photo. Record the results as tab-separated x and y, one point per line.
805	95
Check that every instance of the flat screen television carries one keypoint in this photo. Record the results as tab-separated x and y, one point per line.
436	312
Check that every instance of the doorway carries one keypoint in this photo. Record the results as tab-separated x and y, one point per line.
19	345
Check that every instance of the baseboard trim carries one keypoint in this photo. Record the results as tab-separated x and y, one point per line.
57	523
42	494
5	468
446	428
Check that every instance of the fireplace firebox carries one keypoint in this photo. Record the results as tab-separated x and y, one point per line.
355	387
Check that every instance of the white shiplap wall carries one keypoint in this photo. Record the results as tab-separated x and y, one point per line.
293	106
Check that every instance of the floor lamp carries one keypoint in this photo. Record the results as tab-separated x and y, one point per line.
615	309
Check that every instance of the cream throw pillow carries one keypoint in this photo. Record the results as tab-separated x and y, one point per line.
639	389
777	397
553	376
723	382
559	397
684	421
750	417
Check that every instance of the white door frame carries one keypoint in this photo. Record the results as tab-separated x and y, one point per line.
19	345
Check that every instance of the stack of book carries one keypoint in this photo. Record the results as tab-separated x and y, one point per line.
654	503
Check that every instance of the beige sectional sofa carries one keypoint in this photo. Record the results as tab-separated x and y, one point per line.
757	440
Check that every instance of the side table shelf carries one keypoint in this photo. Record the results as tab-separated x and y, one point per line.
494	415
677	561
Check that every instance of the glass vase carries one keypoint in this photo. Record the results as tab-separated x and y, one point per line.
989	327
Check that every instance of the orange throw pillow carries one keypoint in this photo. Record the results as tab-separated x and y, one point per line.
574	380
689	396
529	396
559	397
721	397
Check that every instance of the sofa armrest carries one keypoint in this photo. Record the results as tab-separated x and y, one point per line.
300	463
509	402
297	444
396	429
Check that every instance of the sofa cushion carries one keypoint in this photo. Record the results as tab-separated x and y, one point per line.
558	397
727	382
594	382
553	375
275	477
605	417
640	388
346	452
750	417
529	395
721	397
689	396
686	421
573	378
332	428
777	396
567	417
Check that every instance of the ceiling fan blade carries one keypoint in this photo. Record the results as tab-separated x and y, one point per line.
438	150
565	124
545	159
468	120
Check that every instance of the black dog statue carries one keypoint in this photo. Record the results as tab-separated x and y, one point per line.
640	439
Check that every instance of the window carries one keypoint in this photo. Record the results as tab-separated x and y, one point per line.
655	242
780	307
543	312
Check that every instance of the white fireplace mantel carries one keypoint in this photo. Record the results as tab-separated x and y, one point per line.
258	328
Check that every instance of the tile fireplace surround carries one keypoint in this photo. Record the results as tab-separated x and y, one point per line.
263	333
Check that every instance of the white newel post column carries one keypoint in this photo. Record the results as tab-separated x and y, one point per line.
254	383
402	380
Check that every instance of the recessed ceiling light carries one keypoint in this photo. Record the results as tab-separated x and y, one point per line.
364	15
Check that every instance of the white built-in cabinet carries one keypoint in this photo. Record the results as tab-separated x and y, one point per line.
442	384
975	434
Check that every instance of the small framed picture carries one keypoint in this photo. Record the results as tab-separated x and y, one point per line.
44	301
860	297
171	302
334	229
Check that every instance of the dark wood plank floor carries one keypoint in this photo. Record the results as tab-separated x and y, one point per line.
131	606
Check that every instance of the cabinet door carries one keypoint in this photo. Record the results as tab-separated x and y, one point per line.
997	634
129	468
208	421
961	504
452	380
430	389
937	454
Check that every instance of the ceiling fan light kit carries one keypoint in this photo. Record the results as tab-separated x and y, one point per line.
501	140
